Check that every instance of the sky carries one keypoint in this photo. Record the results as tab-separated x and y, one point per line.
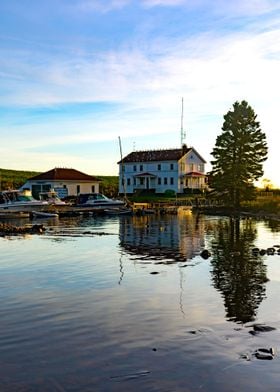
75	75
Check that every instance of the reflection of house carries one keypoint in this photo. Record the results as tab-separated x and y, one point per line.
66	182
173	237
161	170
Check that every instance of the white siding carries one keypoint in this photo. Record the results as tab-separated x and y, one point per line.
166	171
71	186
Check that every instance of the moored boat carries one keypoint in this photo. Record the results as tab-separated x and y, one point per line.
51	198
42	214
19	201
97	200
118	211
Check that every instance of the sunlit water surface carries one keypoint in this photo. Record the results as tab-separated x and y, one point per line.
128	304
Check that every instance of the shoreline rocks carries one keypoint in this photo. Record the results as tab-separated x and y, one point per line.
7	229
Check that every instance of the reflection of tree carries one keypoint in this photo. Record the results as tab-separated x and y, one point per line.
273	225
237	273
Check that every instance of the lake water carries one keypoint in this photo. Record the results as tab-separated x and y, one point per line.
128	304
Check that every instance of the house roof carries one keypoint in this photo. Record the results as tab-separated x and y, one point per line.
64	174
195	174
159	155
199	156
156	155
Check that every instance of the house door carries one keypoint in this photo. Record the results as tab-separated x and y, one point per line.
147	183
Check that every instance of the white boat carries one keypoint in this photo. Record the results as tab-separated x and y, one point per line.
19	201
42	214
118	211
51	197
97	200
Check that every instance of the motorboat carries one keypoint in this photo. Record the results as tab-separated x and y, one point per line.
51	197
42	214
97	200
16	200
118	211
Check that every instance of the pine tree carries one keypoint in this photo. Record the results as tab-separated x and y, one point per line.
239	153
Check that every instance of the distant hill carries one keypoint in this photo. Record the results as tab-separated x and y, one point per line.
16	178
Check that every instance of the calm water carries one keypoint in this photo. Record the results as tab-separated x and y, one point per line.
128	304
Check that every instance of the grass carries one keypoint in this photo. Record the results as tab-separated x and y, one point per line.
14	178
269	204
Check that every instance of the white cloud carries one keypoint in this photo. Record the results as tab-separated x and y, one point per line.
246	7
164	3
102	6
211	72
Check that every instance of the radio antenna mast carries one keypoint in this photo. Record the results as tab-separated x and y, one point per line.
183	133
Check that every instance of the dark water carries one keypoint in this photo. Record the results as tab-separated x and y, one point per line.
128	304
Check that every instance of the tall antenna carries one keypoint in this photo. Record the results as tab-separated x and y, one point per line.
183	133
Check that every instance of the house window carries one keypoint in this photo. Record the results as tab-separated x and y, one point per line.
78	189
200	168
128	182
134	168
191	166
46	187
141	181
141	167
134	181
159	166
93	188
171	166
165	180
159	181
171	180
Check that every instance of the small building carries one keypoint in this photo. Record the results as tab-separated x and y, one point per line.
65	182
180	170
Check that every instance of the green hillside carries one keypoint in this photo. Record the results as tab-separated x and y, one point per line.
16	178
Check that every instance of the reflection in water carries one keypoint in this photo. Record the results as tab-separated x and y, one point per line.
76	315
121	270
237	273
176	238
181	292
273	225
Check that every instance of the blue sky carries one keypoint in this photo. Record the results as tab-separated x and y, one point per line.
76	74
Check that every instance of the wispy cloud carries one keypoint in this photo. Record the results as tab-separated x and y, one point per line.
145	72
102	6
163	3
246	7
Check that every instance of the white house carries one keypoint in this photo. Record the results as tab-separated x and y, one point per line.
65	182
179	170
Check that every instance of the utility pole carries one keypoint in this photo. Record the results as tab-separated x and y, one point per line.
122	171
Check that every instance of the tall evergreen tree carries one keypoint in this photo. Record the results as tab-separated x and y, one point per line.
239	153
